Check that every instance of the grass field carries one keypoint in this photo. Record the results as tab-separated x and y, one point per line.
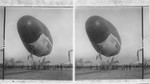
39	74
147	74
110	74
1	73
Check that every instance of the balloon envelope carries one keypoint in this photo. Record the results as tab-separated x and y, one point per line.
34	35
103	36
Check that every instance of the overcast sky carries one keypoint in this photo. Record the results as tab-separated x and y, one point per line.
57	20
1	32
146	33
127	21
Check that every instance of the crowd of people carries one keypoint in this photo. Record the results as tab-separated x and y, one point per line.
146	66
78	67
38	67
109	67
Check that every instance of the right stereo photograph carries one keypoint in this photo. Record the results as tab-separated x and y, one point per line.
109	43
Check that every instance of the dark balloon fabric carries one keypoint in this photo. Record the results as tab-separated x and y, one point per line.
30	29
98	29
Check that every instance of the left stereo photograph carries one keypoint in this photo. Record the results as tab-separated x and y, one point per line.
1	41
38	43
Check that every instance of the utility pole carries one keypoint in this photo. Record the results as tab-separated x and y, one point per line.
69	54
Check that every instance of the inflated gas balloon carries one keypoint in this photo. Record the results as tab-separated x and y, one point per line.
35	36
103	36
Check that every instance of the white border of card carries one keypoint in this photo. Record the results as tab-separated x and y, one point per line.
73	4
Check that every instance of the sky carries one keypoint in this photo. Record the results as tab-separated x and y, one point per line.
1	32
57	20
127	21
146	33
